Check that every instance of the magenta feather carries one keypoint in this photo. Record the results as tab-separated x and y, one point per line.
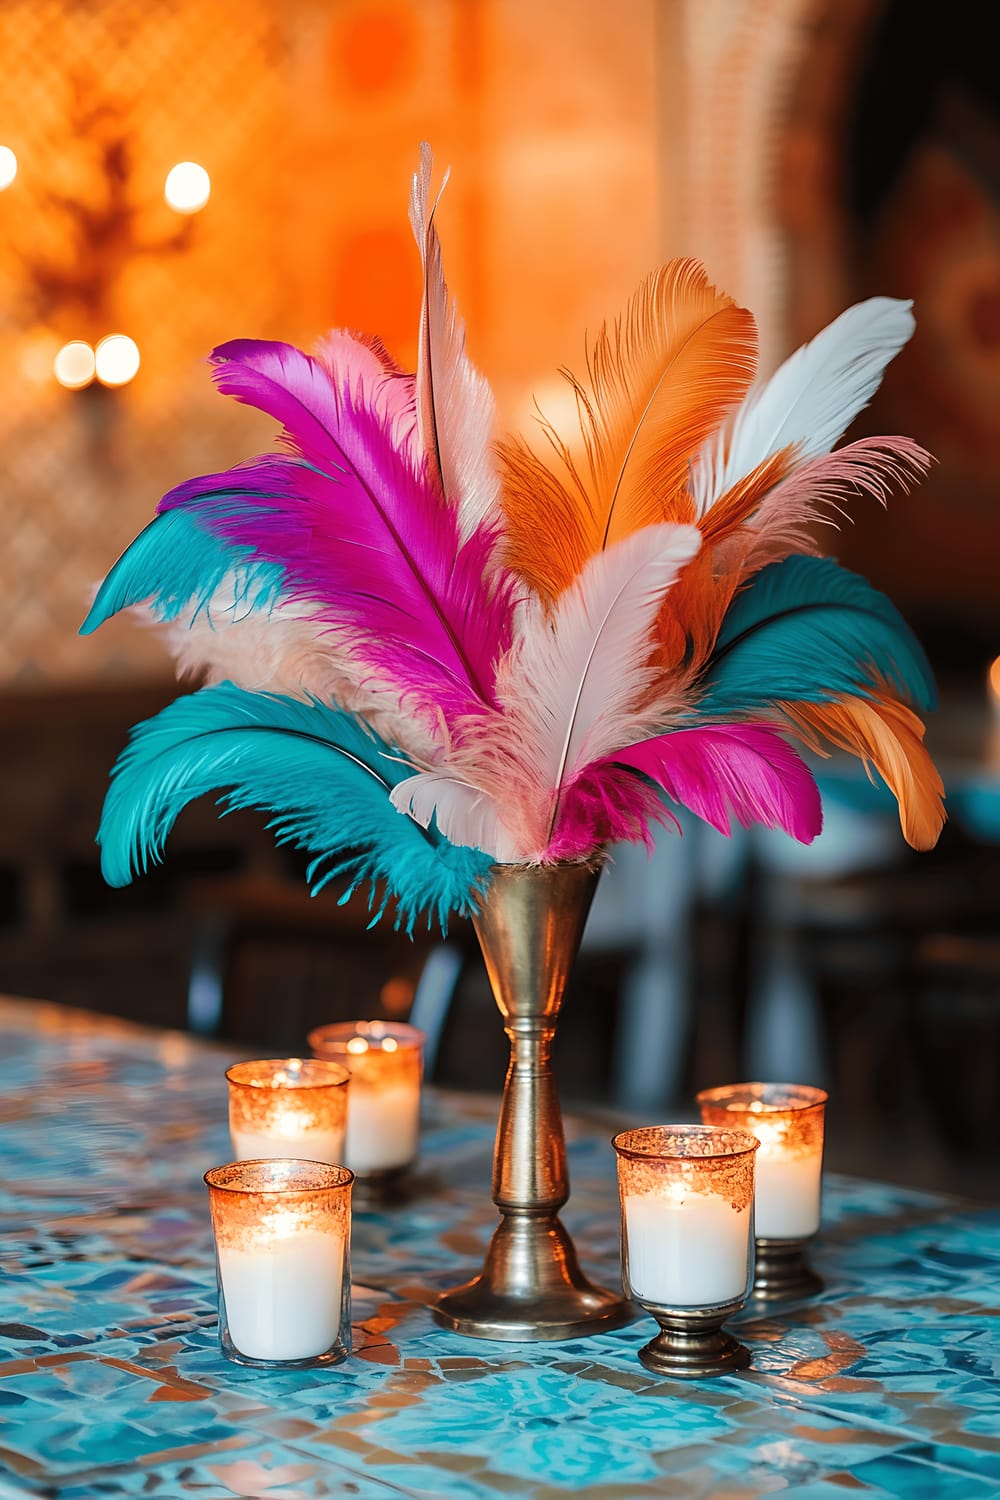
747	768
360	533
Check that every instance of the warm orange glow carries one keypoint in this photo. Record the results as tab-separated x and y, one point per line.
117	359
74	366
994	680
8	167
187	188
390	1044
357	1045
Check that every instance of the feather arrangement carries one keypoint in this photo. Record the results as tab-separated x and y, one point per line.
424	653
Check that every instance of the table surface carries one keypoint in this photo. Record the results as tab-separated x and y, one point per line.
111	1380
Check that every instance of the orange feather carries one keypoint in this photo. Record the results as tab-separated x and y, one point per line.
660	380
887	735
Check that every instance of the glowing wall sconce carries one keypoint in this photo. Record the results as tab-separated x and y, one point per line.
187	188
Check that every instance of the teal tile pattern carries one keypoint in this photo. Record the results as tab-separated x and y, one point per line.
111	1381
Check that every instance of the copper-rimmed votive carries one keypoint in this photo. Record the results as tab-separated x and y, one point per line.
385	1061
787	1119
282	1240
687	1240
289	1106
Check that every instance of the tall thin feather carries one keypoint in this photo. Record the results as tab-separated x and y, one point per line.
455	407
324	779
810	401
659	382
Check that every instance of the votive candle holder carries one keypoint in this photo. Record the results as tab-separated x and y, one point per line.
788	1121
282	1232
288	1107
687	1241
385	1062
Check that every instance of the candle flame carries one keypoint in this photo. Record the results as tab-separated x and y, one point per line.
357	1045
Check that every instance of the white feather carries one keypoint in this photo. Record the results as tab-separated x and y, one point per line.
811	400
455	407
571	688
464	813
283	650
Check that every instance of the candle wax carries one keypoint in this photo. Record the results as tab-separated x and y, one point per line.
786	1197
306	1145
686	1252
383	1126
283	1297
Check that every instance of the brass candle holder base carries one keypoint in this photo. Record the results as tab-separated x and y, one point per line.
531	1287
781	1272
692	1344
378	1190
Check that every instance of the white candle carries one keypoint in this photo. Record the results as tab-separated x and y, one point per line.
383	1126
383	1102
308	1145
686	1249
283	1296
787	1197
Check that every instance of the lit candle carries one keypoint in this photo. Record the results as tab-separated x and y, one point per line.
288	1107
686	1195
686	1249
282	1236
383	1108
787	1120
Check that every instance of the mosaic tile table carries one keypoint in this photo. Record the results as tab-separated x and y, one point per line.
111	1382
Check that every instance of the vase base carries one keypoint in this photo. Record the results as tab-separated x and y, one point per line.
531	1287
480	1312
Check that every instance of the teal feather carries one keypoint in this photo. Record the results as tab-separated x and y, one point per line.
176	565
324	777
807	630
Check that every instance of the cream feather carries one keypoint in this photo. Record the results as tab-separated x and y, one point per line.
455	407
283	651
570	691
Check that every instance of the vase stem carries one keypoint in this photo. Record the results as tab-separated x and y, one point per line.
531	1285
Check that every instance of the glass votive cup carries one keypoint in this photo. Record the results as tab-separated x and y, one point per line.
282	1244
687	1241
385	1061
788	1121
289	1107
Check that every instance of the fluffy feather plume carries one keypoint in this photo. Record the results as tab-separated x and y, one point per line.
888	737
747	768
321	775
807	629
659	382
567	696
648	640
809	402
176	566
360	535
455	407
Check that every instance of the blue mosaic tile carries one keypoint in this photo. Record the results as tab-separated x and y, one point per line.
112	1383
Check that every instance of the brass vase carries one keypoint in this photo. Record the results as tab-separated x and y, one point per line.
531	1286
